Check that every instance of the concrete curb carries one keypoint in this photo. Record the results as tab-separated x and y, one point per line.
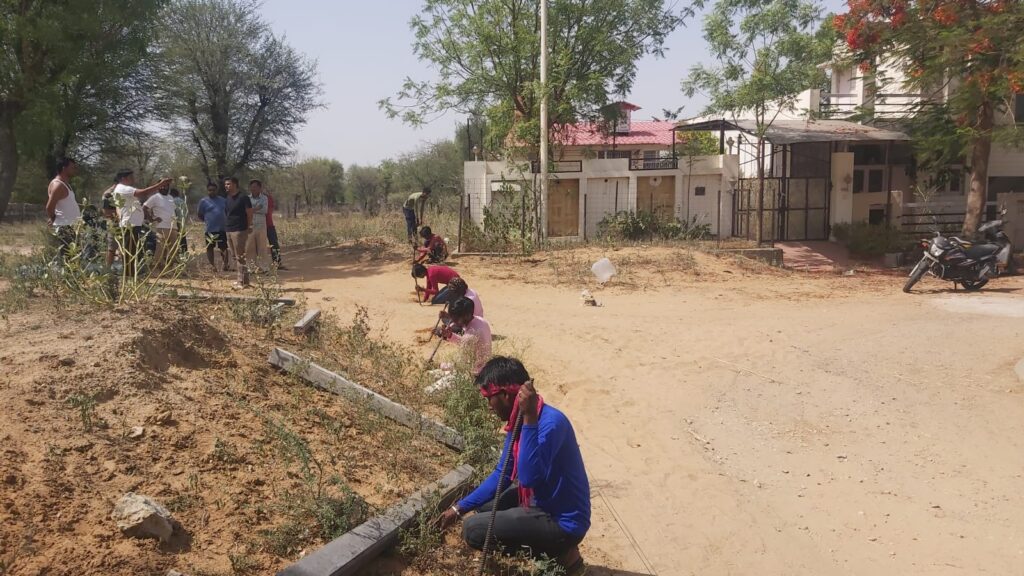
331	382
347	554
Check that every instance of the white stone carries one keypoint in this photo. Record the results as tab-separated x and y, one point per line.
140	516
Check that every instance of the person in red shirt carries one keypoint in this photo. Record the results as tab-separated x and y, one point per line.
434	249
436	276
275	245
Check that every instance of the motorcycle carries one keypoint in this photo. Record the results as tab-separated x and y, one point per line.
969	264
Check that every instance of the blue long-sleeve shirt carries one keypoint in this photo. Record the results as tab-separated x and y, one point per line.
551	465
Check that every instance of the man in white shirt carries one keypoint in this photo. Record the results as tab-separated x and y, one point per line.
162	208
128	199
257	245
62	209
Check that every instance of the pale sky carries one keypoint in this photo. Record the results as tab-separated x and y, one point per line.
364	51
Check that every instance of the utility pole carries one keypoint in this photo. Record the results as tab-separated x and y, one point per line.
543	115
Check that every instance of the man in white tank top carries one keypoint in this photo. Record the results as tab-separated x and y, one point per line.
62	208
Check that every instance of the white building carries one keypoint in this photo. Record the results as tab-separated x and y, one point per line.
825	165
599	172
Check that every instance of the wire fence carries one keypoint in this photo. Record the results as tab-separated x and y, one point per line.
23	212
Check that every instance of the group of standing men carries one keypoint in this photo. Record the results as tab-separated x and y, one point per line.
242	224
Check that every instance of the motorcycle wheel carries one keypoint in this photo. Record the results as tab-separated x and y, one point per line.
973	285
916	274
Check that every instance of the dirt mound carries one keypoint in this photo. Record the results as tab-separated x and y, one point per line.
185	342
178	403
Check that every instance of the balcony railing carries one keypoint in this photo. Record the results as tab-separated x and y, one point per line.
559	166
882	105
654	164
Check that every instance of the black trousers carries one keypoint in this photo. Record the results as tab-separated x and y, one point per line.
518	529
275	245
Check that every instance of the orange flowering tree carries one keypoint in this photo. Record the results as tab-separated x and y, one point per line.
969	54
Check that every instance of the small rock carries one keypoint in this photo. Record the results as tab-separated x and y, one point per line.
136	432
10	479
175	573
841	456
757	483
66	361
873	539
139	516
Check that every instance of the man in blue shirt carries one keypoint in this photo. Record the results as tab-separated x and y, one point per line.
546	509
211	212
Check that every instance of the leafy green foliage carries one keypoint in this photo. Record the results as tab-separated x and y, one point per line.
64	69
86	406
766	53
865	239
977	44
234	87
643	225
487	54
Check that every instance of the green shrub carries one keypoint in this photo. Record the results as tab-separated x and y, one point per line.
866	239
636	226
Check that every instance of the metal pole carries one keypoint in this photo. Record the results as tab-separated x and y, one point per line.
544	101
584	217
616	196
719	218
462	211
522	226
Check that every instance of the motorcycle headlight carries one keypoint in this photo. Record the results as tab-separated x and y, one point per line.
935	250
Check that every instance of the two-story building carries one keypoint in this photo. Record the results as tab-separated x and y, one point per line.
603	169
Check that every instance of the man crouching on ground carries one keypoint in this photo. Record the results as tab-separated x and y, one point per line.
547	508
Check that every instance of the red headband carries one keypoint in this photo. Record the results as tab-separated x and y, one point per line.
491	389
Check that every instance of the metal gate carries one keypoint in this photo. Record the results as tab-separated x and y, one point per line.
794	208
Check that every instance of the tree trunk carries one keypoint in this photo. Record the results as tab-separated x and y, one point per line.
8	158
760	191
978	194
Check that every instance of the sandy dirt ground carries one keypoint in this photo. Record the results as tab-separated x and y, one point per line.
741	421
218	431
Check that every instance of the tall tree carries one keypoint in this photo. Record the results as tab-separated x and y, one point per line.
487	54
965	56
767	53
63	67
228	84
437	165
365	186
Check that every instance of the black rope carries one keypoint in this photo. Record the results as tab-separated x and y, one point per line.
497	493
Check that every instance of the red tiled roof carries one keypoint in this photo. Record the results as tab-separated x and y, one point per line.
640	133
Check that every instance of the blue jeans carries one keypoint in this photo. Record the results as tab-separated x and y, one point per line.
441	297
410	221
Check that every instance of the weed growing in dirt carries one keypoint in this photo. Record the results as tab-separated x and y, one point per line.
422	536
86	406
224	452
243	563
316	509
263	310
523	564
466	411
372	360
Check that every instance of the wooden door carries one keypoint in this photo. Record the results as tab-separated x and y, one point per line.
563	208
656	194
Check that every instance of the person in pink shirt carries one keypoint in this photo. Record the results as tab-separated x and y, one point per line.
436	277
471	332
458	288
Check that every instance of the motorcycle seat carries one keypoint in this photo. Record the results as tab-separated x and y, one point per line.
979	251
